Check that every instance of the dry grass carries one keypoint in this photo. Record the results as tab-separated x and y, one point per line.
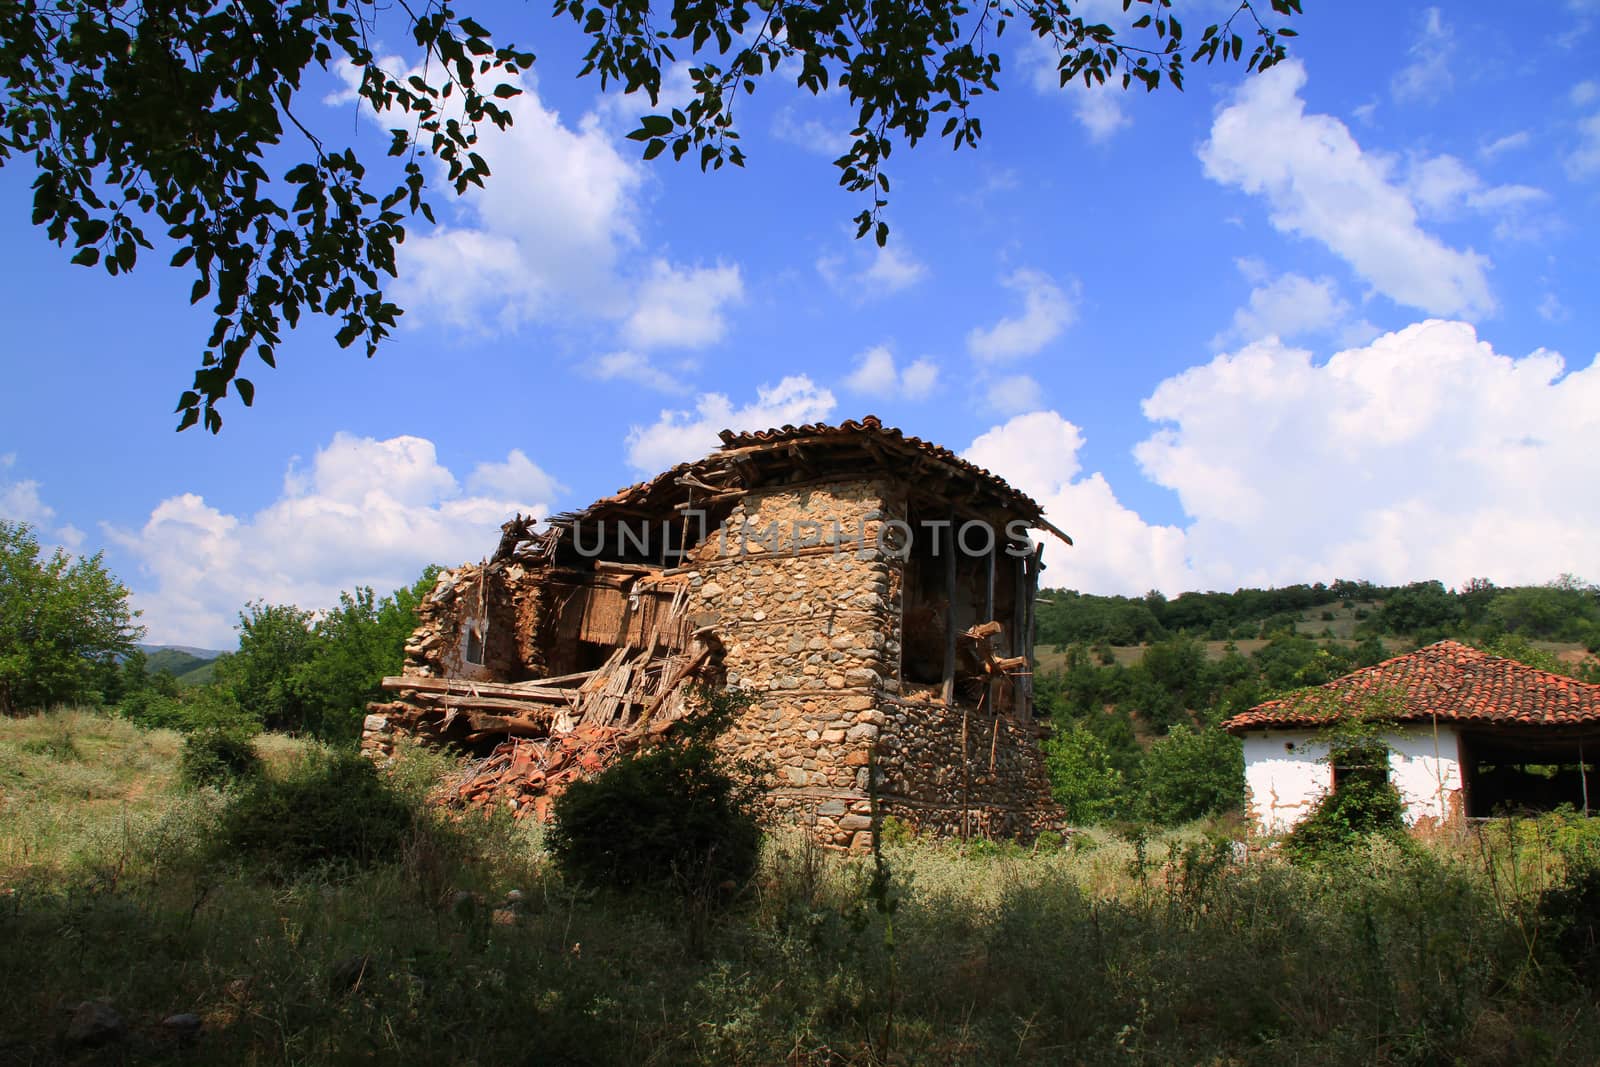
1101	950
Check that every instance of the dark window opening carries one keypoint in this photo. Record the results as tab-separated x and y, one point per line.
474	644
984	587
1505	778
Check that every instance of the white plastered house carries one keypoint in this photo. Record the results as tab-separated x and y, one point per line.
1469	735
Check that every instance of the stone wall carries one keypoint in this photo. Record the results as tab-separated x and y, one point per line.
501	602
805	617
961	771
813	635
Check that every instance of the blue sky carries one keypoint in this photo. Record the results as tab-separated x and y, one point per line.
1337	320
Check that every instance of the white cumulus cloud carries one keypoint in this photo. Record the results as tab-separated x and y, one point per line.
1422	454
20	501
636	368
681	436
1047	309
555	234
878	375
1013	394
1115	551
683	308
365	512
1289	305
868	274
1319	183
1101	109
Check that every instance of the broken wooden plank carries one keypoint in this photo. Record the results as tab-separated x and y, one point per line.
468	700
468	687
556	682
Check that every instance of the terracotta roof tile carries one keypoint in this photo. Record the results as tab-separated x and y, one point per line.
872	426
1447	681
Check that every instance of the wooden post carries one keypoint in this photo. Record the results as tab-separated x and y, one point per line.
1027	629
1583	777
988	616
950	616
1019	620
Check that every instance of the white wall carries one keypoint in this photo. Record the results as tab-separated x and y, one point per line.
1426	768
1283	772
1286	775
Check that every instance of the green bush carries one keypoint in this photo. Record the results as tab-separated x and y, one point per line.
677	817
218	756
1346	818
1571	911
204	708
58	745
1082	777
332	808
1190	774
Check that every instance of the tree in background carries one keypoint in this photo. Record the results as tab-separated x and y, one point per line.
355	646
64	620
1425	609
1082	778
1190	774
1567	609
275	643
136	114
313	673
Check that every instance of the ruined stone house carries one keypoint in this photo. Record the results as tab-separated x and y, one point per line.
871	592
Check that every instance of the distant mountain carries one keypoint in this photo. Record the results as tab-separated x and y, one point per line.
189	665
197	653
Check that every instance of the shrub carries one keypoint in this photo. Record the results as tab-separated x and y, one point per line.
1190	774
1345	818
677	817
1082	778
218	756
205	708
1571	911
331	808
58	745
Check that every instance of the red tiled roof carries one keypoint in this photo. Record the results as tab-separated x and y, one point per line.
872	426
1447	681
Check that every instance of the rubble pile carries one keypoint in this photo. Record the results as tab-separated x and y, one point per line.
545	733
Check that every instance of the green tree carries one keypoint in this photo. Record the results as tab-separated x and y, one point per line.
275	642
1422	608
63	621
138	113
357	644
1190	774
1563	610
1082	777
307	672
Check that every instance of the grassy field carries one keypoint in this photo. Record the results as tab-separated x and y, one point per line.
467	948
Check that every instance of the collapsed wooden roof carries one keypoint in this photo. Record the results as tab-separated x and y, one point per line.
812	452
